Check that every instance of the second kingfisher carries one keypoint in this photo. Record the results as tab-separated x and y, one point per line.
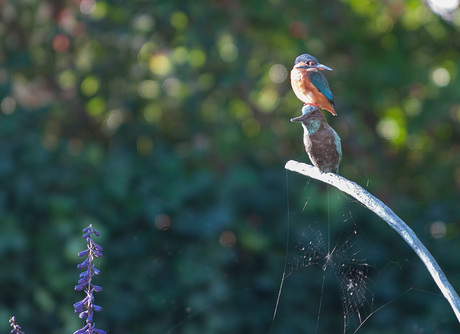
311	86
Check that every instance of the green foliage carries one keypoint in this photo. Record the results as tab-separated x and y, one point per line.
165	124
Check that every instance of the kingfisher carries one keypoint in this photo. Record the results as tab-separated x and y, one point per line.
321	142
311	86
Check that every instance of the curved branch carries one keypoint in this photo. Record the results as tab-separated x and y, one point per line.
384	212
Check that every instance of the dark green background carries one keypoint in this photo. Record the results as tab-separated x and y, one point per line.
131	114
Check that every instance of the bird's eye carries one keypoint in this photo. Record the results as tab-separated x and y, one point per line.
310	63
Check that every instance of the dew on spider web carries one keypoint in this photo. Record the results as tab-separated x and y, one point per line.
356	292
347	265
311	250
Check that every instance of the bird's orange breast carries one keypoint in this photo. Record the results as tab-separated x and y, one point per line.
307	92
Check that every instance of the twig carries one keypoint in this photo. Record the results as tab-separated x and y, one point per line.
384	212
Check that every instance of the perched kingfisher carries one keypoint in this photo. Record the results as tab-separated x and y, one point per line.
311	86
321	142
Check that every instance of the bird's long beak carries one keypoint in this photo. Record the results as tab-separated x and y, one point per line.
299	118
323	67
319	67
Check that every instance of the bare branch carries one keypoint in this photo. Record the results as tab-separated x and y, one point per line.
384	212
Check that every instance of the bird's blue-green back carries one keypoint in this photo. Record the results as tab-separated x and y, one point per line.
320	82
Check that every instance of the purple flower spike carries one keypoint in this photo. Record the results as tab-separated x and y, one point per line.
86	307
16	328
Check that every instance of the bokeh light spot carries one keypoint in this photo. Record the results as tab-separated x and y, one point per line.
438	229
227	239
441	77
8	105
297	29
149	89
228	52
240	109
66	79
206	81
87	6
61	43
412	106
278	73
267	99
152	113
388	128
197	58
143	23
180	55
90	85
162	222
179	20
114	120
392	126
384	23
160	64
96	106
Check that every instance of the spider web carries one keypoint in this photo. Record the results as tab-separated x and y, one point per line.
332	246
347	265
346	274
